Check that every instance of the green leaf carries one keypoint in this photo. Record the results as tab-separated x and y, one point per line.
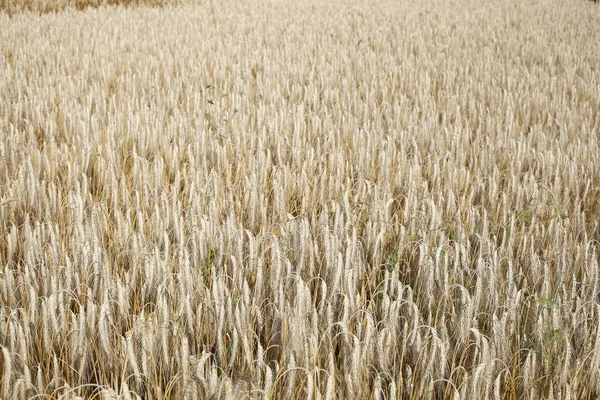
208	116
224	95
211	102
554	334
548	303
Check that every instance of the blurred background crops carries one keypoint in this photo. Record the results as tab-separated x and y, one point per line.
12	7
277	199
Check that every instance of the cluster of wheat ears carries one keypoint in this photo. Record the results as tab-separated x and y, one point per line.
300	200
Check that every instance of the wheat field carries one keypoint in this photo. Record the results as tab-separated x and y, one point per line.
300	199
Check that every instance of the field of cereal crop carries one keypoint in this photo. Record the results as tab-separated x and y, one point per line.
299	199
